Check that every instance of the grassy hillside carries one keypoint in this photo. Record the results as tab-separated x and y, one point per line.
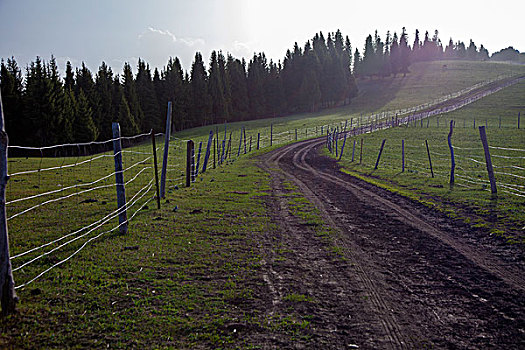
498	113
184	276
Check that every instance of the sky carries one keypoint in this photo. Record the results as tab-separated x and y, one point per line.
118	31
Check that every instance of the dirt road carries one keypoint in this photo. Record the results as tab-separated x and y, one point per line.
403	277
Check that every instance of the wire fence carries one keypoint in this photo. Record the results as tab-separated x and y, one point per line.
57	206
60	199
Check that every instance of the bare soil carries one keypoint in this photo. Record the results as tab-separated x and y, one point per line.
403	276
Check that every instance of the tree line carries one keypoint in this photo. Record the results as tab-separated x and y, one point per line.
42	108
394	55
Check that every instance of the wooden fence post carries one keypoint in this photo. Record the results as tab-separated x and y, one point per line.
198	160
452	159
244	132
519	113
429	159
380	151
488	161
258	139
8	296
250	144
353	151
271	135
342	148
402	156
119	179
155	167
336	136
214	150
208	150
167	136
240	142
189	156
361	152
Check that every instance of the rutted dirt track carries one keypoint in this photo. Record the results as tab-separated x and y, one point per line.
407	277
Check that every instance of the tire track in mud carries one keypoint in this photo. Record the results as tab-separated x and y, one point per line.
424	282
507	273
397	339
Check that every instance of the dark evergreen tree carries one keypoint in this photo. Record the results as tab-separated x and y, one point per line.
404	53
131	95
472	51
103	112
69	80
219	109
236	72
84	129
11	83
416	48
395	56
256	81
200	106
152	118
174	91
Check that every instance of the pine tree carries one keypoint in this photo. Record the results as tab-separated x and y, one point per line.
449	50
84	129
236	72
404	53
103	113
472	51
200	106
69	80
416	47
130	93
256	81
216	90
174	91
357	63
11	84
152	118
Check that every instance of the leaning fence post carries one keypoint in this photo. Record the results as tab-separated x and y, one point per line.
488	161
189	156
207	154
240	143
380	151
429	159
452	159
343	147
119	178
167	136
198	160
8	296
155	167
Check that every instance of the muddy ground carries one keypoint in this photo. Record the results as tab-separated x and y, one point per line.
392	274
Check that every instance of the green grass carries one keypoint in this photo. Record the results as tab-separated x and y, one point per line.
178	278
183	275
471	191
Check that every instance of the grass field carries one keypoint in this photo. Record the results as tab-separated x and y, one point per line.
498	113
183	276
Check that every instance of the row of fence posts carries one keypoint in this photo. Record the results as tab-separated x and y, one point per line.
220	154
333	136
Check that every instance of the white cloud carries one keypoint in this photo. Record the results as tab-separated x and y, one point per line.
156	46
